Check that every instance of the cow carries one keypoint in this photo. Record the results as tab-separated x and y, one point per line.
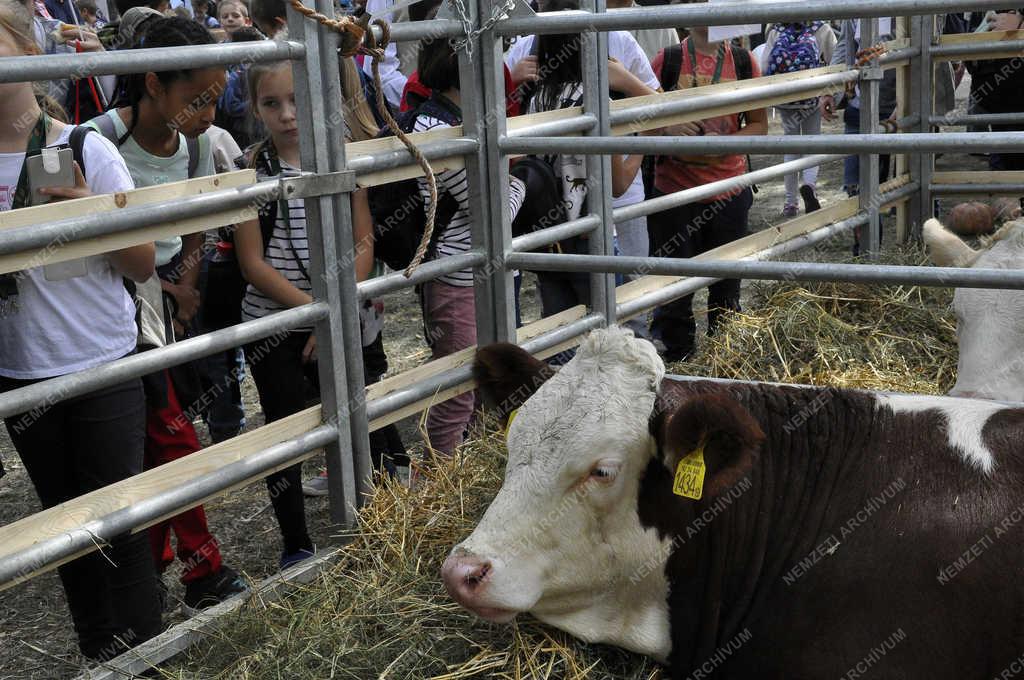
743	530
990	323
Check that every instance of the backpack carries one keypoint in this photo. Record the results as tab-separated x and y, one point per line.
542	204
796	48
398	209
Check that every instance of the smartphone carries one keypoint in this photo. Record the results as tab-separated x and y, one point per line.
53	167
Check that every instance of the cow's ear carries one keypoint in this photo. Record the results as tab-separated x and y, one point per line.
507	375
716	440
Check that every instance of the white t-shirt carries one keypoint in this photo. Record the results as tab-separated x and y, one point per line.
623	47
69	325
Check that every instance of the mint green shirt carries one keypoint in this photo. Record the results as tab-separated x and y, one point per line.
148	170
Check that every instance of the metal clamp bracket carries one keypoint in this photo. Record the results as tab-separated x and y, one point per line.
309	184
871	73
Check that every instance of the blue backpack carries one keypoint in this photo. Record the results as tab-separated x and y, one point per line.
796	49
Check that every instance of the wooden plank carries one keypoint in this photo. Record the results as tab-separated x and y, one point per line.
60	252
979	177
355	150
975	38
67	516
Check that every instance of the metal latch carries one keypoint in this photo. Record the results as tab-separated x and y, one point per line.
310	184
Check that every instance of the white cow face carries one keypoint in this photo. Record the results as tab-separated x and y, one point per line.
562	539
990	323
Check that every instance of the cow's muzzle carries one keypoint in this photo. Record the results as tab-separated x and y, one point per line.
466	577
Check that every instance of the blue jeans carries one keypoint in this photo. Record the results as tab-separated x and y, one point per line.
222	373
851	165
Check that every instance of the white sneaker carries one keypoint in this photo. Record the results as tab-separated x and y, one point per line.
316	486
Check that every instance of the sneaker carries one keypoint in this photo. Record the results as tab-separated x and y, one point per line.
810	200
214	588
790	211
316	486
288	559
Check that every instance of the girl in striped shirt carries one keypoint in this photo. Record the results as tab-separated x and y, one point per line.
449	313
284	366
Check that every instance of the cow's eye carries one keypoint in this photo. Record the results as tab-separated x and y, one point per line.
604	472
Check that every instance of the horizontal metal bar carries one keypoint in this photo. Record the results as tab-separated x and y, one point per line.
397	158
976	189
826	82
709	191
23	564
775	271
752	144
978	119
545	237
969	49
60	66
691	284
414	31
581	124
428	387
564	333
35	236
382	285
54	390
724	14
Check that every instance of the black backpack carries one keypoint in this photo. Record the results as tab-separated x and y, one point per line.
398	209
542	205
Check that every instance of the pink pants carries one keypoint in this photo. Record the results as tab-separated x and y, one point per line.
449	314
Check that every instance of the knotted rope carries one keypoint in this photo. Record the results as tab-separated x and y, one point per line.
353	33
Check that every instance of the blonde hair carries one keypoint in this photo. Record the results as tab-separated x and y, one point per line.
358	117
16	20
228	3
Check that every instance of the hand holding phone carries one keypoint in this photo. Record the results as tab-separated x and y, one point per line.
62	179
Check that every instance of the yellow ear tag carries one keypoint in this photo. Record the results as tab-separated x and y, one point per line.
690	471
508	423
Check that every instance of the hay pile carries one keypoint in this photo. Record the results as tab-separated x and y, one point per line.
894	338
382	611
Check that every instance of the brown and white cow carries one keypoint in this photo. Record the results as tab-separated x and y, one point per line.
990	323
835	530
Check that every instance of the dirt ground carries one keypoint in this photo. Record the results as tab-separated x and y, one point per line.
36	637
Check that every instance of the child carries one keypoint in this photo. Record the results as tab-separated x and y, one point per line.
63	318
692	229
160	113
201	14
285	370
790	47
89	14
449	311
232	15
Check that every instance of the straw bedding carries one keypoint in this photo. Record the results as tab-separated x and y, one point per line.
382	611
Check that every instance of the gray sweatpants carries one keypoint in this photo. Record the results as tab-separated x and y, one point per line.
800	122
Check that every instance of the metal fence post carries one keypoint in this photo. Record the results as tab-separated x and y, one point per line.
482	79
922	165
599	172
868	181
328	219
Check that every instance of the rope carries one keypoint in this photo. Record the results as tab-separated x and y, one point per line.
865	56
353	33
350	29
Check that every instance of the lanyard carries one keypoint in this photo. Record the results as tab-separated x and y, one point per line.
36	141
719	62
284	210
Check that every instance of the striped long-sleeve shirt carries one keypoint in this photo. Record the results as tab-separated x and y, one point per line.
456	237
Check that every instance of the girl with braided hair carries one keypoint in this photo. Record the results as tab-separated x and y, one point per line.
159	129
